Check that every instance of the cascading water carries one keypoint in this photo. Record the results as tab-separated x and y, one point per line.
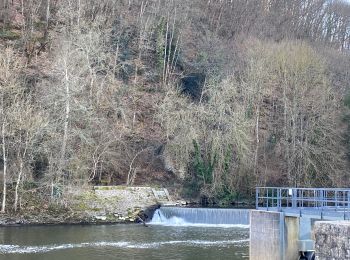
175	216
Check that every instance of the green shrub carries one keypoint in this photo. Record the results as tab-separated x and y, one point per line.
191	187
204	168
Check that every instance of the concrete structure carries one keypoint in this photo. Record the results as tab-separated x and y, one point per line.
332	240
273	236
281	227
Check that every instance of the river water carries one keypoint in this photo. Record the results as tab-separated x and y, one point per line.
123	242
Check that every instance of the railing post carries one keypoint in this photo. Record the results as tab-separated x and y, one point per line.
267	199
302	198
336	200
348	202
294	198
257	197
316	198
343	201
279	199
322	198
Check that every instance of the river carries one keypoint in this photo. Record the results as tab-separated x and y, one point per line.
104	242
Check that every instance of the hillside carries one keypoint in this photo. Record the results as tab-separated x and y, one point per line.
208	98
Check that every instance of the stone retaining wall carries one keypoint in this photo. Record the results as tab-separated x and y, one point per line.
332	240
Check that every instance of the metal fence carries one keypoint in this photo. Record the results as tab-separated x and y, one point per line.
278	198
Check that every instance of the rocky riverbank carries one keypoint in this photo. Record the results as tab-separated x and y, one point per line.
101	205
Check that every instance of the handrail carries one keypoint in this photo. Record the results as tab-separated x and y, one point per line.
332	199
328	189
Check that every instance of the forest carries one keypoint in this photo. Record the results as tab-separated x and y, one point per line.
212	97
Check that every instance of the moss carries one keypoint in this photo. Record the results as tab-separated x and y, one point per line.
121	187
111	187
81	207
9	35
39	24
114	198
89	201
87	196
347	101
104	188
111	217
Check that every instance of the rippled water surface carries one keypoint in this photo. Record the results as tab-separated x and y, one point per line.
123	242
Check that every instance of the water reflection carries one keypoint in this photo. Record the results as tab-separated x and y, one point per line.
122	242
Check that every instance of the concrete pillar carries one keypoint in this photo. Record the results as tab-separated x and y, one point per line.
291	237
273	236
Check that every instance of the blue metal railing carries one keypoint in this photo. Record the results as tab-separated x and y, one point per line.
320	199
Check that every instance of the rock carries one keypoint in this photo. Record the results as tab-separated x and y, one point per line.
169	204
332	240
103	218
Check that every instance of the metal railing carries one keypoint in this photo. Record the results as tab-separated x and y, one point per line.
321	199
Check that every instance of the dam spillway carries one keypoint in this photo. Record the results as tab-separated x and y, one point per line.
201	216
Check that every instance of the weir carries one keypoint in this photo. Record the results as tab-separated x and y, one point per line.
282	226
200	216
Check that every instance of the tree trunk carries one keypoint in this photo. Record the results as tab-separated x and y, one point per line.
47	18
3	206
20	173
17	185
6	13
165	51
286	134
65	126
256	161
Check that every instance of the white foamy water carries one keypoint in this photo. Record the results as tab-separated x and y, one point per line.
201	217
17	249
180	222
